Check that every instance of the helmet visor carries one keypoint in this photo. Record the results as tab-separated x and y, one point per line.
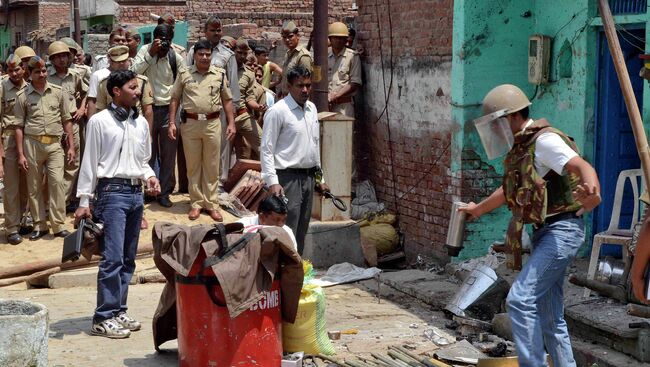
495	134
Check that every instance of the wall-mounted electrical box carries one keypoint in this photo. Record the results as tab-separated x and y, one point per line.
539	56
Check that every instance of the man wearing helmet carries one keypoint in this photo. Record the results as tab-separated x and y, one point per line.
547	184
344	71
71	82
25	53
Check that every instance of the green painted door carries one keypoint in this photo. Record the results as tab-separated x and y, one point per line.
5	42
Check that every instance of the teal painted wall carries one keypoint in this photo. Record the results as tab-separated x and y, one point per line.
490	48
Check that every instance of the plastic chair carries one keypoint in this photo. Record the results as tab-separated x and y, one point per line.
614	235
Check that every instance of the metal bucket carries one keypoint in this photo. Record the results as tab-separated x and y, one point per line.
611	271
456	229
480	296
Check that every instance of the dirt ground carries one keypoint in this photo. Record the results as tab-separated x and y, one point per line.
392	319
50	247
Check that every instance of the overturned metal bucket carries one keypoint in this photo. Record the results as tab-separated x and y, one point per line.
480	296
23	334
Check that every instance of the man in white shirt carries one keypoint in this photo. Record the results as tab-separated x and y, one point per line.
290	151
272	211
114	166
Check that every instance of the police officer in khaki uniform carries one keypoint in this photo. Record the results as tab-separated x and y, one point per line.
296	53
344	71
84	70
71	81
25	53
204	93
249	134
15	190
119	60
44	113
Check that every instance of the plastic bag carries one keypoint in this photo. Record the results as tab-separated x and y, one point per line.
308	333
383	236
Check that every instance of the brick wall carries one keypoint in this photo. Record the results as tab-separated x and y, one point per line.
53	15
419	172
132	14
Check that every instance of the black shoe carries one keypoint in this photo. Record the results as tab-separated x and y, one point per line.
164	201
24	231
62	234
14	239
38	234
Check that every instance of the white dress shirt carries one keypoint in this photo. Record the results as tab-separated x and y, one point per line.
113	149
290	138
95	79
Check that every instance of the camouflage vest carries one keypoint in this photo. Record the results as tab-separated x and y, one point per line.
530	197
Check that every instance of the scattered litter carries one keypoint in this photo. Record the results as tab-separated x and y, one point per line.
350	332
345	273
413	326
334	335
462	352
293	360
436	337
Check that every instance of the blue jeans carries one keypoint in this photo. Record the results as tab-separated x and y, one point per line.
119	207
535	302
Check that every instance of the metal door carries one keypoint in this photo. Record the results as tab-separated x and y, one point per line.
615	148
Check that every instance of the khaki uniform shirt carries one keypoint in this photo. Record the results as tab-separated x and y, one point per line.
246	84
85	71
299	55
202	93
343	69
104	99
9	91
43	114
72	84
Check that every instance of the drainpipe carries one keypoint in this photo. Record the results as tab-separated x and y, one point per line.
319	79
77	21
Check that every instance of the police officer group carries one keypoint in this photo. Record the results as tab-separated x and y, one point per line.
88	139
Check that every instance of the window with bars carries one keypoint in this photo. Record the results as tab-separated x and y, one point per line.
620	7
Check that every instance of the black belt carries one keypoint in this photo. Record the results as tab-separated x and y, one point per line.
556	218
306	171
135	182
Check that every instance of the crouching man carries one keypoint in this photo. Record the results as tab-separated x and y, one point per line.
116	156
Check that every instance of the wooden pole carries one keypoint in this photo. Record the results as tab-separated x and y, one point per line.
626	87
30	268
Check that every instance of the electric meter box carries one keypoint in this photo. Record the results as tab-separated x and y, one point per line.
539	56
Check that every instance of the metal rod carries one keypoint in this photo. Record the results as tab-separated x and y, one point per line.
319	77
401	357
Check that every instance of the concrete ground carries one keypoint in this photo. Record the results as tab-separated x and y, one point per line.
395	320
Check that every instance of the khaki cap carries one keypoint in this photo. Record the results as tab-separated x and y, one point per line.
168	19
242	43
72	45
24	52
228	39
289	26
57	47
118	53
36	63
337	29
13	61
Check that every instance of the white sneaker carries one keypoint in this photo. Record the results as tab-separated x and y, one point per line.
110	329
127	322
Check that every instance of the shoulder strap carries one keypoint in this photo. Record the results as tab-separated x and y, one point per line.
171	57
236	246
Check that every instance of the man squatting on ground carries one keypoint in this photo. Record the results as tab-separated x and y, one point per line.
540	160
115	163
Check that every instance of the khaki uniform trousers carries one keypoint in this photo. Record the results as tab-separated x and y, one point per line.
249	137
15	191
72	170
49	160
201	140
